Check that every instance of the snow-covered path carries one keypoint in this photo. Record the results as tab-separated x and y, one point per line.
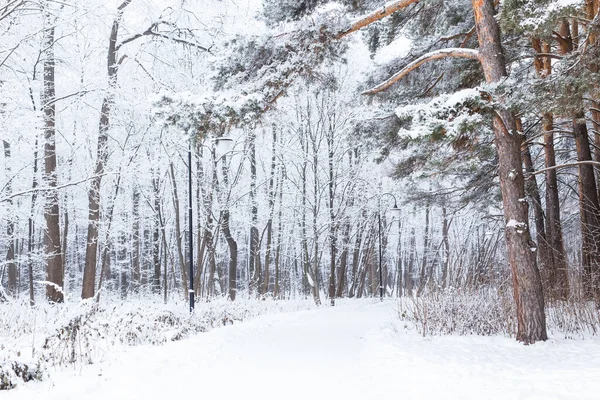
346	352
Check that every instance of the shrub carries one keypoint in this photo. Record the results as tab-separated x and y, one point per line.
483	312
492	312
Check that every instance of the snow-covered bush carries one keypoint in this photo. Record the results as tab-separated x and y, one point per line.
86	332
573	319
483	312
14	371
492	312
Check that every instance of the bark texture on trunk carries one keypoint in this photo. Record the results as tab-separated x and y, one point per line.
135	256
31	224
277	287
254	272
423	273
10	229
589	209
557	274
332	219
446	243
156	233
231	243
527	286
53	249
559	279
410	264
545	260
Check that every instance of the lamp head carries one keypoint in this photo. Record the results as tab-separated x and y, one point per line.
395	212
223	145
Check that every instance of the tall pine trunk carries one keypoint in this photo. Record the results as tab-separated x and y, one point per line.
527	286
557	274
588	195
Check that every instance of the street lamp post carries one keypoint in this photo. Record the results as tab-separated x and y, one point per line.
395	213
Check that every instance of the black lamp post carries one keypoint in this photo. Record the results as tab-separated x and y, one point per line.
395	212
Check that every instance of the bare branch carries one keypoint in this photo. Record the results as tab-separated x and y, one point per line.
430	87
434	55
573	164
123	5
9	8
383	12
468	34
180	41
152	31
560	39
46	189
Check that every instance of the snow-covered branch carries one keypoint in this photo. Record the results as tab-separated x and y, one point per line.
566	165
46	188
386	10
153	31
434	55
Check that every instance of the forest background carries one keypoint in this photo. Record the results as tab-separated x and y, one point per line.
102	100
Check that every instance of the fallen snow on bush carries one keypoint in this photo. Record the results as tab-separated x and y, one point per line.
34	339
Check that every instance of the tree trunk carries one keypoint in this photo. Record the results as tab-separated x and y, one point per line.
105	272
332	220
91	252
446	242
410	265
65	236
527	287
10	228
343	265
203	202
231	243
277	287
315	210
399	264
266	276
178	232
588	194
54	264
558	281
156	260
423	276
135	242
356	255
122	265
590	209
31	224
545	261
254	271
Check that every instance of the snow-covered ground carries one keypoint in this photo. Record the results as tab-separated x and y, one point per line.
356	350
